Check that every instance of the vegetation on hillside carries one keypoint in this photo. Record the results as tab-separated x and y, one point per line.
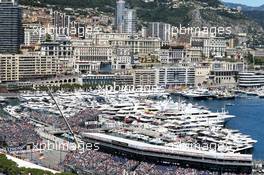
172	16
9	167
219	15
258	16
211	3
162	11
102	5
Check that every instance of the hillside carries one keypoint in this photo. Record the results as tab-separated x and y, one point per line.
258	16
203	13
244	7
254	13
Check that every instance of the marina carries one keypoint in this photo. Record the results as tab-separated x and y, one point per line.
249	112
132	121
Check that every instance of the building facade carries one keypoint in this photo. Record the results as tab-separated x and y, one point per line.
63	51
27	67
165	76
11	33
172	56
210	46
176	76
120	11
145	77
202	75
251	79
32	36
160	30
90	58
130	21
138	46
225	73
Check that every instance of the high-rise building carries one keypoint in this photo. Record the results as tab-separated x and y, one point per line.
62	23
11	34
161	30
31	37
120	11
125	18
130	21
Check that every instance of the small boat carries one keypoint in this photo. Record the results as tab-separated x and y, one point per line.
261	95
230	104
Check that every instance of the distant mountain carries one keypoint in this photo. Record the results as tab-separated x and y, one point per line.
244	7
254	13
257	16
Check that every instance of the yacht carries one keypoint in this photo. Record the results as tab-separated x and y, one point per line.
198	94
261	94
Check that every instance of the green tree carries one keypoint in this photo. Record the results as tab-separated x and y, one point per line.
9	167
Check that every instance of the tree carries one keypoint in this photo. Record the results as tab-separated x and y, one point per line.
48	38
9	167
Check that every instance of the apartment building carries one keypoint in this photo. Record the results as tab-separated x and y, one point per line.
11	33
176	76
172	56
30	66
32	35
165	76
63	50
160	30
140	46
210	46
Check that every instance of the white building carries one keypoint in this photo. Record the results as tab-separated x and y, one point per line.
89	58
176	76
140	46
202	75
160	30
130	22
63	51
209	45
32	34
165	76
171	56
225	73
103	38
122	59
126	19
251	79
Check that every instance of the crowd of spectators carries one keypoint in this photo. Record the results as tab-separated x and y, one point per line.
77	122
99	163
18	133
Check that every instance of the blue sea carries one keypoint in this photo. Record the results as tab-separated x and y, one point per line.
249	112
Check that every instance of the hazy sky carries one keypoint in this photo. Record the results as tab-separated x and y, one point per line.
248	2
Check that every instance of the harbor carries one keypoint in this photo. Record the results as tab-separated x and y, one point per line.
153	120
249	112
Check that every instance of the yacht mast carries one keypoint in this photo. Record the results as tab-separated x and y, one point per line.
65	119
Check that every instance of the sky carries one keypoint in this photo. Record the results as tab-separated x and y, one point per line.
248	2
